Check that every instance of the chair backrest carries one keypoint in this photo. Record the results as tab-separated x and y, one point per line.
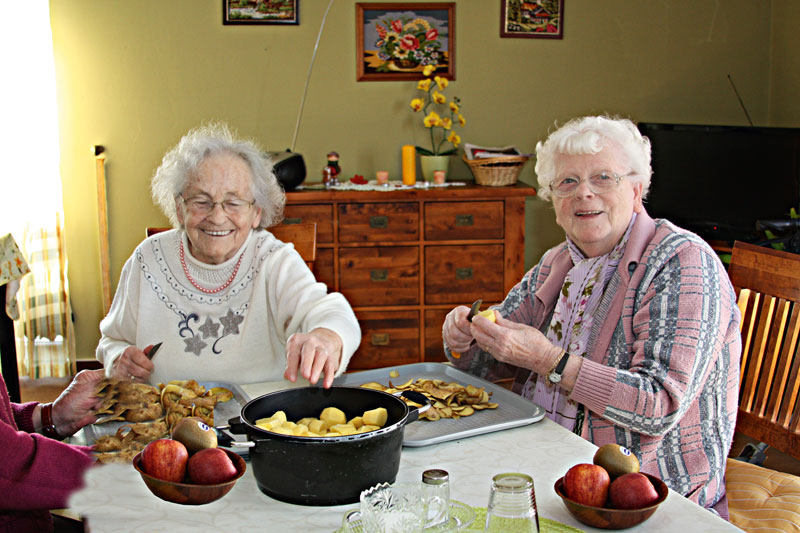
303	236
767	282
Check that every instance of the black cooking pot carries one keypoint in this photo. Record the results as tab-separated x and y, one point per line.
325	470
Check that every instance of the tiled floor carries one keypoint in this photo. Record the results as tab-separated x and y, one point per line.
48	389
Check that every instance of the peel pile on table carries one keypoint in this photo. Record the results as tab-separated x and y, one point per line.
449	399
154	411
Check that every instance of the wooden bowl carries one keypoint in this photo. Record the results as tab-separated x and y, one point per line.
188	493
606	518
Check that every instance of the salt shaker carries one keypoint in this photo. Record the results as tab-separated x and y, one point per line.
436	491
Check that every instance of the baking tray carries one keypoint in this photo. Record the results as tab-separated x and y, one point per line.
223	411
513	411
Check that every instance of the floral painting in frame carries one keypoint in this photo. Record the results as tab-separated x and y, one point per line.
536	19
395	41
255	12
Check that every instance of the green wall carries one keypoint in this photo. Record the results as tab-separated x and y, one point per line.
134	76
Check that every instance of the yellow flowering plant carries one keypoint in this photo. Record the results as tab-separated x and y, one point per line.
440	125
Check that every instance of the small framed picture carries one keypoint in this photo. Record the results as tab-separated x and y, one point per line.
395	41
542	19
255	12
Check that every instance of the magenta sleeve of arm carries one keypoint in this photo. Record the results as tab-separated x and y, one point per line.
23	415
37	472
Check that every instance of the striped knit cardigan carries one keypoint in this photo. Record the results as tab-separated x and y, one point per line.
661	371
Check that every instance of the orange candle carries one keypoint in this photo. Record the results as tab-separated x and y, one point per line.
409	165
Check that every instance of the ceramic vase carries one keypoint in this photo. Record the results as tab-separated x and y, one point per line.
431	163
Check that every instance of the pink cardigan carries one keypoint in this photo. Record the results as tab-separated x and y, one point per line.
36	473
661	373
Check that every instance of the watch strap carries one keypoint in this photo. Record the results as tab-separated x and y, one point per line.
562	363
48	428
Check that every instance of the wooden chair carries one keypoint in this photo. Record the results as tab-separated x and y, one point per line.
767	282
303	236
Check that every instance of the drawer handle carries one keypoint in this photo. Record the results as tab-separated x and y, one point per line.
465	220
379	222
290	221
464	273
379	275
380	339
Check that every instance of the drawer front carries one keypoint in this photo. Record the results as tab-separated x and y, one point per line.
384	275
322	214
389	222
323	268
463	220
461	274
434	350
387	338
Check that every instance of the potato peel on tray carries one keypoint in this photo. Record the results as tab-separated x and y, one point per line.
448	399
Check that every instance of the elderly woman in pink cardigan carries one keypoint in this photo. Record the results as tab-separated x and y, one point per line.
627	332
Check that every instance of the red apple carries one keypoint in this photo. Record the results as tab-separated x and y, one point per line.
587	484
210	466
632	491
165	459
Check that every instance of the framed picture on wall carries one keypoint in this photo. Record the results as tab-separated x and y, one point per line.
395	41
540	19
254	12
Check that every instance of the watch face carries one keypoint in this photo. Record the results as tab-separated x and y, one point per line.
554	378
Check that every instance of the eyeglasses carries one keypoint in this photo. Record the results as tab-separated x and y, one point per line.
597	183
204	206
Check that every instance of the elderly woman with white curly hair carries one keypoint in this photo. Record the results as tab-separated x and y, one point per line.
227	299
627	332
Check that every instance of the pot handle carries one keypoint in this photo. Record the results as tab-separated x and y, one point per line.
236	427
416	397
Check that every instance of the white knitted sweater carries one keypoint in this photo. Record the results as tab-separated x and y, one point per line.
238	335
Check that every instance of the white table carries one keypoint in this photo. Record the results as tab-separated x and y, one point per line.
116	498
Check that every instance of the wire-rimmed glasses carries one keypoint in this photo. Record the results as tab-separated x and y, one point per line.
200	205
597	183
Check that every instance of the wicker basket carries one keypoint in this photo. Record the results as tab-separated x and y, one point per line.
496	171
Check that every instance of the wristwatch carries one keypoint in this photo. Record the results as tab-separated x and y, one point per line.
48	428
555	374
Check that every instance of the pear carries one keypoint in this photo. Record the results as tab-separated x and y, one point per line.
194	434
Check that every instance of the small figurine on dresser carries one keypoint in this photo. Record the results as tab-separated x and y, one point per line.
331	171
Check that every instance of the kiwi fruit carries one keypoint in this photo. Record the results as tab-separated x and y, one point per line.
616	459
194	434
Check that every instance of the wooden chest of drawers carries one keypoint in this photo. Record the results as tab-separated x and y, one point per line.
405	258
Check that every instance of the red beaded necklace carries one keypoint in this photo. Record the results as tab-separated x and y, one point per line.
198	286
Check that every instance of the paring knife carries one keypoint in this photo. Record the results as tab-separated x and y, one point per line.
153	351
476	305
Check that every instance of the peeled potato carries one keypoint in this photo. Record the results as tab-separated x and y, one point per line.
488	314
320	427
343	429
375	417
333	416
357	421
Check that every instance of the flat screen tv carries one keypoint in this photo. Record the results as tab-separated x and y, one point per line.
719	180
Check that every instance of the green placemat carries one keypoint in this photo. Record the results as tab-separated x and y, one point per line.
545	524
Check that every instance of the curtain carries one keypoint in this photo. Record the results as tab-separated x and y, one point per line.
30	185
44	331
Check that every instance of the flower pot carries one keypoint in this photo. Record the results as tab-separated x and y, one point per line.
432	163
